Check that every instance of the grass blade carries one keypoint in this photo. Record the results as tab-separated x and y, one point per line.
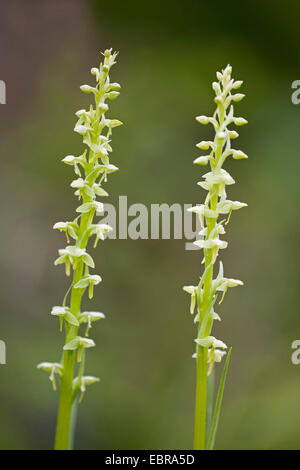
217	411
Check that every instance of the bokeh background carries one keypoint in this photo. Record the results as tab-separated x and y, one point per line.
169	52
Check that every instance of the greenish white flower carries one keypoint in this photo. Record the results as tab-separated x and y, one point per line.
211	243
216	204
239	121
206	120
82	382
202	160
53	368
91	168
89	206
100	230
78	343
63	313
210	341
75	161
88	281
70	228
214	355
192	290
237	97
89	317
71	255
82	188
232	134
205	144
238	155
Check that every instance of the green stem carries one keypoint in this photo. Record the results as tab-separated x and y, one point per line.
201	392
68	362
201	385
66	400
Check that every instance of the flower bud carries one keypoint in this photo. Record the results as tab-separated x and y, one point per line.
86	88
115	86
69	159
112	95
237	97
216	87
103	107
237	84
233	134
201	160
202	119
94	71
203	145
239	121
218	100
80	112
239	155
228	70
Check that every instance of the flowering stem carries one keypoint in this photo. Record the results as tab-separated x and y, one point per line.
205	309
210	350
66	396
68	362
92	167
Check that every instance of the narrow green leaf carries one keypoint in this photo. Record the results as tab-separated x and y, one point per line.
217	411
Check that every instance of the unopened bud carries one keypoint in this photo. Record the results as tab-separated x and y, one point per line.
237	97
86	88
239	121
201	160
203	145
237	84
202	119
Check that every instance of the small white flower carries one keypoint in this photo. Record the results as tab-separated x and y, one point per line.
87	88
237	84
64	313
79	343
82	382
100	230
214	355
210	341
69	159
233	134
89	317
192	290
238	155
239	121
59	311
217	343
204	145
88	281
211	243
201	160
88	206
203	119
237	97
53	368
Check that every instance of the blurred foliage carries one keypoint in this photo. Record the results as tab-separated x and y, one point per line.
168	57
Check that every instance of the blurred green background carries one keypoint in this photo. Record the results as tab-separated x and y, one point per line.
169	52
